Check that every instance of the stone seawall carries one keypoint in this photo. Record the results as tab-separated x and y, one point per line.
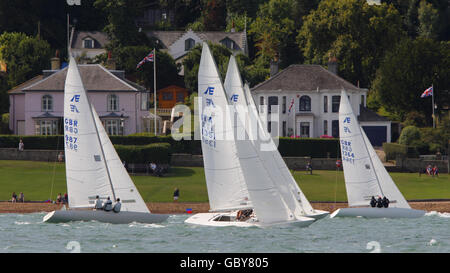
188	160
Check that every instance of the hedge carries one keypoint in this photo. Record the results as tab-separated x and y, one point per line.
56	142
156	152
313	147
392	150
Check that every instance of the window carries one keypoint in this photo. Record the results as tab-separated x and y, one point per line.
113	103
325	127
188	44
305	103
362	100
325	104
335	101
145	103
284	104
113	127
269	127
46	127
47	103
273	100
88	43
335	128
228	43
180	97
304	129
261	103
167	95
284	128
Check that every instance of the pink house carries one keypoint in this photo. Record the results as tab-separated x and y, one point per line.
36	106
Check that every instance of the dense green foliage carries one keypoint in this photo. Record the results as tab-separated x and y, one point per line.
392	150
409	135
158	153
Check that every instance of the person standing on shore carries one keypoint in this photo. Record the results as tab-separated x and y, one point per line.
21	145
22	197
14	197
176	194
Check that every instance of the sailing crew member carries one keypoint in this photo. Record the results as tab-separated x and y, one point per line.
117	206
373	202
385	202
379	202
108	205
98	203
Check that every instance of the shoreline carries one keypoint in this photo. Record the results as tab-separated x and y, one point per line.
198	207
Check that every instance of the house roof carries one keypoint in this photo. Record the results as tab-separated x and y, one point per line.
100	39
305	78
169	37
365	114
95	78
18	89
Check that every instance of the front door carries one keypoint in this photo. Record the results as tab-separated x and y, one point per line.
304	129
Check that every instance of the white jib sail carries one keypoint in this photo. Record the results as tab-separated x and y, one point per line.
270	157
387	184
267	202
361	180
123	186
293	187
85	167
224	178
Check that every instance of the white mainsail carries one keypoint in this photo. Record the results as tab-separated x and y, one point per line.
224	179
269	156
365	175
268	205
92	165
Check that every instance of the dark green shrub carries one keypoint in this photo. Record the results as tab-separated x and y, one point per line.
156	152
313	147
392	150
409	135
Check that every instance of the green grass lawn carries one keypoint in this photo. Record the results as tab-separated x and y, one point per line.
35	179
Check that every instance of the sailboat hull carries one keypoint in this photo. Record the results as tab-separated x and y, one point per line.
378	213
123	217
229	219
318	214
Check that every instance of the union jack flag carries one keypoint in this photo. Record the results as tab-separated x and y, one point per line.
427	92
290	107
148	58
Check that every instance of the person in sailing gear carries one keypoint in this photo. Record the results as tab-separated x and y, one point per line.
385	202
373	202
117	206
108	205
379	202
98	203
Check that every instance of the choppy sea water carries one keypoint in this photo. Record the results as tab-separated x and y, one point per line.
27	233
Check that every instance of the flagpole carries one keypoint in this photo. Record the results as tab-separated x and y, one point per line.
432	104
154	84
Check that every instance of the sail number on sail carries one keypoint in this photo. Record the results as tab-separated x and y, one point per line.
71	126
347	151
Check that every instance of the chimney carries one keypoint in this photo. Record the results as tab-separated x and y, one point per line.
110	63
55	62
273	68
232	27
333	65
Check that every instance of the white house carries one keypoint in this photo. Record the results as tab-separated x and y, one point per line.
88	44
308	98
178	43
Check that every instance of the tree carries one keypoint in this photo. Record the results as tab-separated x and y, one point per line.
407	70
121	27
274	30
128	57
428	20
356	33
25	56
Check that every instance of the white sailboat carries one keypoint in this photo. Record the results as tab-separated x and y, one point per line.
267	151
93	166
233	168
364	173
